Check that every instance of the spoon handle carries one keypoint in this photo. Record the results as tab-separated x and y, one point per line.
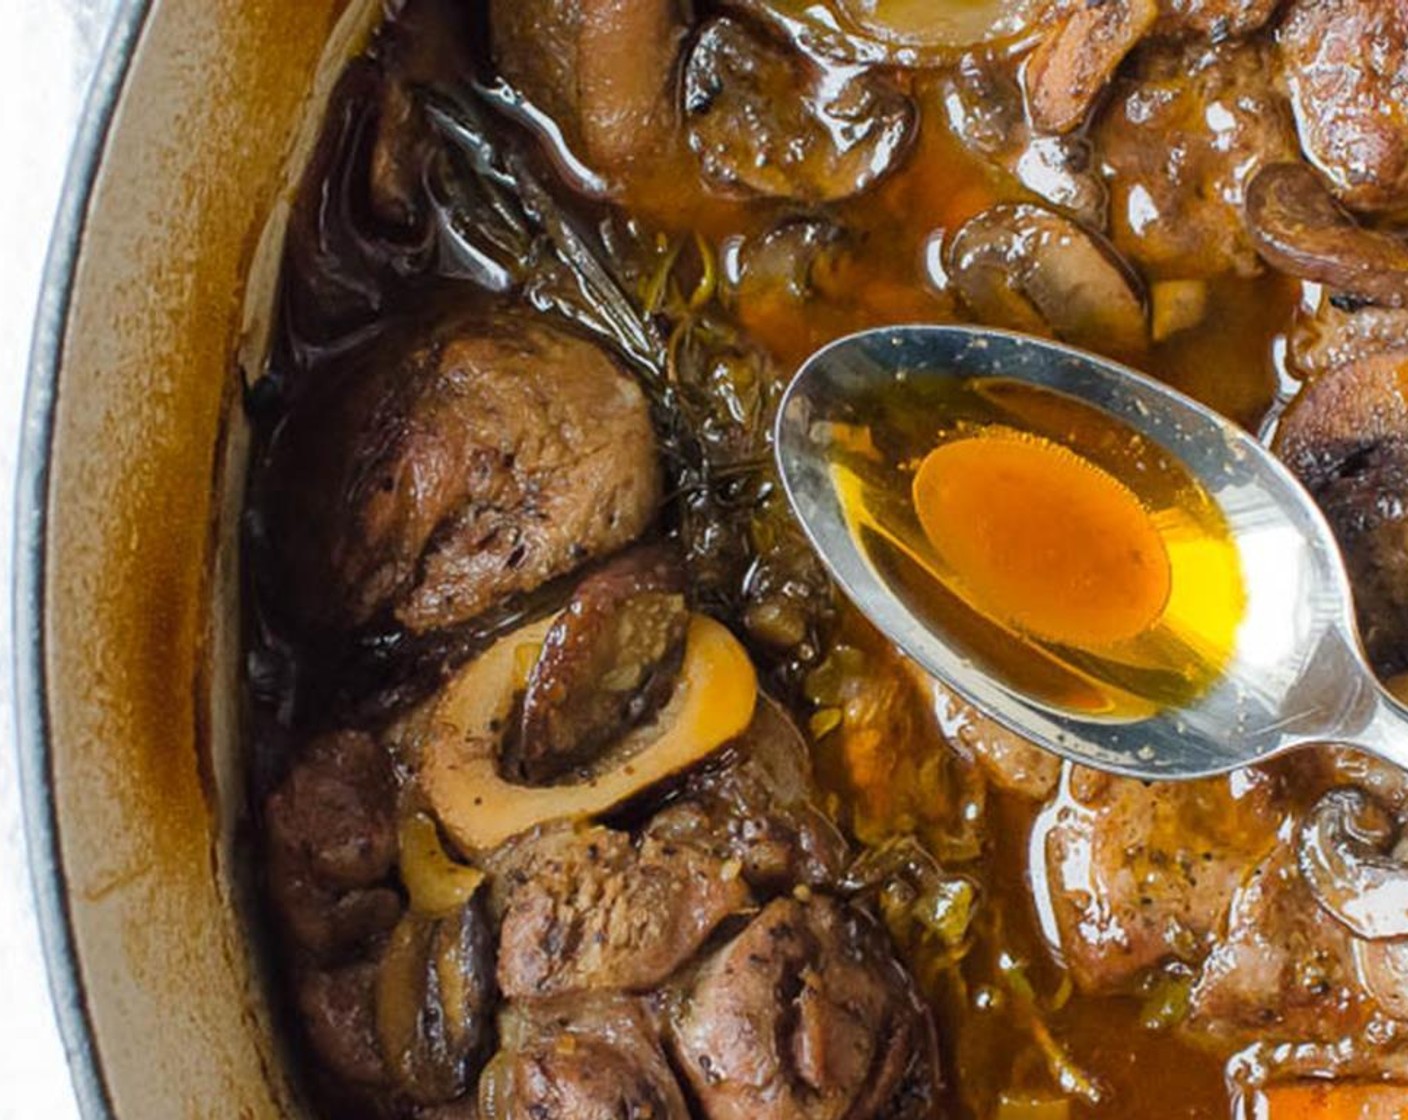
1385	729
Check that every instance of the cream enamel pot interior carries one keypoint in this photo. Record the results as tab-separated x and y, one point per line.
133	466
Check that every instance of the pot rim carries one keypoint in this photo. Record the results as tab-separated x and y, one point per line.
30	530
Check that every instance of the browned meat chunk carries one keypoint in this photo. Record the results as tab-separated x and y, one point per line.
1180	141
1346	64
1078	55
604	70
435	1003
806	1016
1300	229
756	810
764	120
332	841
329	923
453	475
1346	438
1284	969
334	812
1139	873
339	1015
608	664
582	1059
592	910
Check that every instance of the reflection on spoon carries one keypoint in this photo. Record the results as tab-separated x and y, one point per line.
1043	538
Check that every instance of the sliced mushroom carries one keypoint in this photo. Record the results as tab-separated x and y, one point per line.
1027	268
1383	970
434	1002
458	737
1346	68
783	264
1347	856
608	664
987	112
1300	228
1349	766
1338	333
1070	66
1346	437
920	25
910	34
764	120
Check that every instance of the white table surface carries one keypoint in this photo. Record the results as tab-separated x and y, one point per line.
47	54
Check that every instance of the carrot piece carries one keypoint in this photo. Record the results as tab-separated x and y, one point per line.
1330	1100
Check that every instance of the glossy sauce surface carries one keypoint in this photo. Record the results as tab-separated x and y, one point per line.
1042	539
1061	550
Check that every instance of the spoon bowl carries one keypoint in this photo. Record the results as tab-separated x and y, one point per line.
1296	673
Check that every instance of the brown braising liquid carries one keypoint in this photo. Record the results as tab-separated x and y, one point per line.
883	275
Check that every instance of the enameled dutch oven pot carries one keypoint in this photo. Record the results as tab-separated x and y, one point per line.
157	300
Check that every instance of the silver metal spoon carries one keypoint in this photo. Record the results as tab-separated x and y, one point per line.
1297	674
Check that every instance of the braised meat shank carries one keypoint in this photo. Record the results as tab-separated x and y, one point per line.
455	473
583	1060
594	910
802	1017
